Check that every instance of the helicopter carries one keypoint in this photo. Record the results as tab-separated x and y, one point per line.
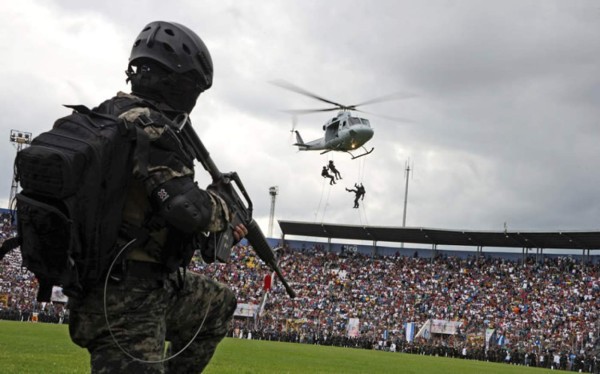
344	132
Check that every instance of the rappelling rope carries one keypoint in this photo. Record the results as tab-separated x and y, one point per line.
321	199
326	204
362	214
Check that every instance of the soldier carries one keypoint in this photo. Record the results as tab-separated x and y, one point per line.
149	298
325	174
359	193
334	170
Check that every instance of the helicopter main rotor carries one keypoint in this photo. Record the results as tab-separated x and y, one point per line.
337	106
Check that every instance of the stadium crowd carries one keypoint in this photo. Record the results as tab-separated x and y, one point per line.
543	313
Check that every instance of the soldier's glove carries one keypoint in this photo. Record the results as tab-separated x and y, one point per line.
221	240
205	242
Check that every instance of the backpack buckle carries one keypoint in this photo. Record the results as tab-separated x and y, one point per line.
144	120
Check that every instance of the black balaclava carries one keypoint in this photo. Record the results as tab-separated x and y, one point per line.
151	80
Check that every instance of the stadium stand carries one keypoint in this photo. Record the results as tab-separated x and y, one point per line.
539	309
543	312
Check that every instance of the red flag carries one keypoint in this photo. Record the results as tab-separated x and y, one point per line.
267	282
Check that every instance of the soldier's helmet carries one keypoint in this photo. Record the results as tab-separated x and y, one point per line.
169	60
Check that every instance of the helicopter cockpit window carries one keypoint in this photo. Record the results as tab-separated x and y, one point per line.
356	120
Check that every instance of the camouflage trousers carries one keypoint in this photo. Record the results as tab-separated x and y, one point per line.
143	314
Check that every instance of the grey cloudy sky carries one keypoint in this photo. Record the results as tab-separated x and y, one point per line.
504	122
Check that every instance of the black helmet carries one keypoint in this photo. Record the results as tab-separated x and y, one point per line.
175	47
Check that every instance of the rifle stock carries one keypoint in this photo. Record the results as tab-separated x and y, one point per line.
223	186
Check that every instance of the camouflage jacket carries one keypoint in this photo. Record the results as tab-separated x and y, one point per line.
165	162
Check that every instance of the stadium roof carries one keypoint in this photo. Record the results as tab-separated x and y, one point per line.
420	235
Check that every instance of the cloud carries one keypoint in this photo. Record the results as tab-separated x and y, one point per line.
503	122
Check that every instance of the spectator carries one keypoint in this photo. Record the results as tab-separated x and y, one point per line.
543	309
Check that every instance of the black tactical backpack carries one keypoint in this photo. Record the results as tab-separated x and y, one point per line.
74	180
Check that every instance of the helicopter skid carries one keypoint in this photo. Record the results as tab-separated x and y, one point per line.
364	154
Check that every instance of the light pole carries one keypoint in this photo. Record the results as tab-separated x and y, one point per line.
405	197
406	194
20	139
273	192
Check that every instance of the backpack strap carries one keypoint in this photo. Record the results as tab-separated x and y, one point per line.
8	245
140	234
141	150
45	285
141	153
44	289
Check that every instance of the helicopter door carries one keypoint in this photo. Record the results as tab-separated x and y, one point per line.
332	131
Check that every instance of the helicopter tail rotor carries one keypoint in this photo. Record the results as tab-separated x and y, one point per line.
294	123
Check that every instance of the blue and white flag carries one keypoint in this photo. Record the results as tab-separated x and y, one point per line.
410	331
489	335
425	330
501	340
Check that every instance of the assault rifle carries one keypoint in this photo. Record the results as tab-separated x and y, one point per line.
223	185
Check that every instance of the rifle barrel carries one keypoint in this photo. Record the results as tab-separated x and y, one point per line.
255	236
264	251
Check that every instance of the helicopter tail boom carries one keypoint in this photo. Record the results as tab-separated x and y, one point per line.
299	142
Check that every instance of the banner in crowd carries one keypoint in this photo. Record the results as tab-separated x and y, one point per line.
4	299
425	330
410	331
353	327
294	324
438	326
442	326
475	339
246	310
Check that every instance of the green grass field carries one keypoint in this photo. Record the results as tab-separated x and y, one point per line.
46	348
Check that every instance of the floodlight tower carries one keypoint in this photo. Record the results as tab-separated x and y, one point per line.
273	192
405	196
406	193
20	139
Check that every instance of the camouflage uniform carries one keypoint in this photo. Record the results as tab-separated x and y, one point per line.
143	313
147	307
